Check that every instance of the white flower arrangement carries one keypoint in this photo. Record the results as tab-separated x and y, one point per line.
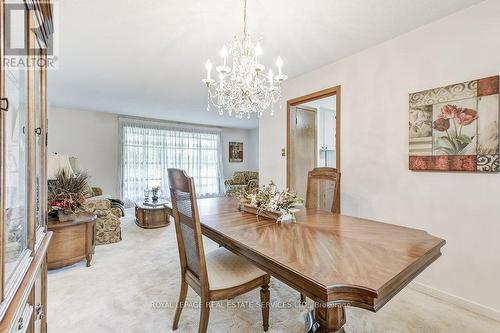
269	198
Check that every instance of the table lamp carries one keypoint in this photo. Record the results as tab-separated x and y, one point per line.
57	162
75	164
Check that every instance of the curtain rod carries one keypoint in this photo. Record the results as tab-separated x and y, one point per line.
177	124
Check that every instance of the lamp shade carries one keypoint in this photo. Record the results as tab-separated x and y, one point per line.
56	162
75	164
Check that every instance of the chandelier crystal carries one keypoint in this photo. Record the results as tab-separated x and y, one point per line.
243	87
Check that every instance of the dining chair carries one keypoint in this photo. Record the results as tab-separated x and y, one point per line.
322	193
216	275
323	189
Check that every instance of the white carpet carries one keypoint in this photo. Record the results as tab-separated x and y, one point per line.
133	285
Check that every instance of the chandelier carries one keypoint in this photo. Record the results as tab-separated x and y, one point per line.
243	87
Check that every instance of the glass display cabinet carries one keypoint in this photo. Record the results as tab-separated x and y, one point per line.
26	28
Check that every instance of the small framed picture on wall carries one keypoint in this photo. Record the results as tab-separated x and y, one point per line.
235	151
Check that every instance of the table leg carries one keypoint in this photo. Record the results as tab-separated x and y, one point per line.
331	319
89	259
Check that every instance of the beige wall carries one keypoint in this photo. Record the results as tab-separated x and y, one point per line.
463	208
250	150
253	150
93	138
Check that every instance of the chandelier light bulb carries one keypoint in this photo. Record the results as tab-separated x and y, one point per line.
223	53
279	63
258	49
258	52
208	66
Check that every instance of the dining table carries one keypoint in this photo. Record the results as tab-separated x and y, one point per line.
336	260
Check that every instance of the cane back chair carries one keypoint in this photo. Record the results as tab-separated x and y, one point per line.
323	189
215	275
323	193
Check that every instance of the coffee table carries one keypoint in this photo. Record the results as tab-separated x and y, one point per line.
153	216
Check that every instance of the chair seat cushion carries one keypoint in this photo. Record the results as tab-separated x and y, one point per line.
227	270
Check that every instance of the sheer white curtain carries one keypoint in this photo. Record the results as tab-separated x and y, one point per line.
149	148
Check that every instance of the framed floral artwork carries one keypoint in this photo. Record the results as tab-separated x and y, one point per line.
235	151
455	128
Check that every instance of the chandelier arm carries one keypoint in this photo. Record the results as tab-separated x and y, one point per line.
245	18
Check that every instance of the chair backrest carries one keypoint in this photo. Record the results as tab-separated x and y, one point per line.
188	227
323	189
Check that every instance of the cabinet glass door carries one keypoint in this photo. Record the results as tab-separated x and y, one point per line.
39	216
15	159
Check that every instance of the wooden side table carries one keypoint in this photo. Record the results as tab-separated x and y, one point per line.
151	217
72	241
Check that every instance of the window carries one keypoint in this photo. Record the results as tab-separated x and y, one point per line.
149	149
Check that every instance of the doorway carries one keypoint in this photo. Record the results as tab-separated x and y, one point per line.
313	136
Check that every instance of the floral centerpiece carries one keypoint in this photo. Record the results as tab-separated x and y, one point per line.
66	194
270	202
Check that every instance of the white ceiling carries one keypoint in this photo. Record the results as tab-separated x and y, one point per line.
146	58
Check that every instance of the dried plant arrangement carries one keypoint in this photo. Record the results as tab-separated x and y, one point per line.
270	202
65	192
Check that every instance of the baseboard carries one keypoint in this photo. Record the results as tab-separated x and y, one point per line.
455	300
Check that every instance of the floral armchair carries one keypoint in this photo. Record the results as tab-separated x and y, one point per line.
108	224
115	203
247	180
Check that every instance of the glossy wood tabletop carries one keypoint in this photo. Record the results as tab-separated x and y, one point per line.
330	258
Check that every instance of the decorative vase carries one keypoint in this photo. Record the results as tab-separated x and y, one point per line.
63	217
155	191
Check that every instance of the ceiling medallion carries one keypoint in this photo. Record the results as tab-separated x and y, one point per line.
243	87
